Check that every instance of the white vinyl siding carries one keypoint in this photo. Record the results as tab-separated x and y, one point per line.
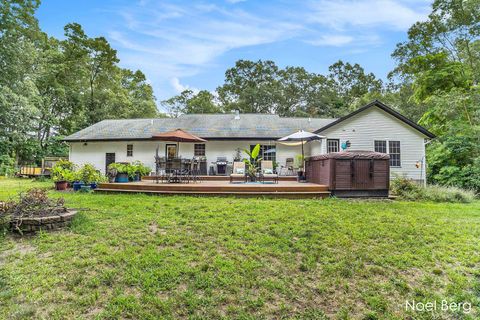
94	152
375	124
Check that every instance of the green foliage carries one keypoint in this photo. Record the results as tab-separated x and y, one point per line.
131	169
119	167
298	161
189	102
141	169
253	160
263	87
51	87
407	189
7	165
63	170
89	174
440	63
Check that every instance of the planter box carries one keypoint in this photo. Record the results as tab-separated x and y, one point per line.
121	177
77	186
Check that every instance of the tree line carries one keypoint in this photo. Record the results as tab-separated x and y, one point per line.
51	87
263	87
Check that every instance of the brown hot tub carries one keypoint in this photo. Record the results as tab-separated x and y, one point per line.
351	173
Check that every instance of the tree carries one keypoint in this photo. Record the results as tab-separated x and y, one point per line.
440	63
202	102
51	87
18	94
262	87
351	82
189	102
251	87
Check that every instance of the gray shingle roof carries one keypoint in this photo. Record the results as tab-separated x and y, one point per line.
220	126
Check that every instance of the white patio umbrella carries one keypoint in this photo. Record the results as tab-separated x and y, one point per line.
301	137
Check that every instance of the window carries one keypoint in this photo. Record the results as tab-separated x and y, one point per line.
266	152
333	145
394	152
381	146
199	150
129	150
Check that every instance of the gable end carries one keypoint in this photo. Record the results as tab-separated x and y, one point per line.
388	110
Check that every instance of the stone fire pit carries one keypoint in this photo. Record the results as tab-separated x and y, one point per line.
35	211
35	224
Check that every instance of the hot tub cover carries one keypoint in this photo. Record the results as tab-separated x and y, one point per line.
353	154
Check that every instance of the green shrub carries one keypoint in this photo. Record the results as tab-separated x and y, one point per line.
89	174
437	193
7	165
408	189
118	167
141	169
132	169
63	170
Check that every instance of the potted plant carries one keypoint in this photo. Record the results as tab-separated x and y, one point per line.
89	176
252	162
62	174
132	172
298	163
139	170
122	170
238	155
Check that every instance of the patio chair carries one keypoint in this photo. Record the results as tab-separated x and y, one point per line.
160	169
239	171
266	171
288	170
195	170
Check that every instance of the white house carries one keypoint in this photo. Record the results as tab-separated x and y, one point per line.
374	127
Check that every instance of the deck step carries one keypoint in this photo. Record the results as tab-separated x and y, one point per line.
213	188
280	194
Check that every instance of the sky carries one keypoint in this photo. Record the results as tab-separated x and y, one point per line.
190	44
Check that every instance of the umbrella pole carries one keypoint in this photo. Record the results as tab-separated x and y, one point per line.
303	158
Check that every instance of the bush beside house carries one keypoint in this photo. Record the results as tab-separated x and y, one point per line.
407	189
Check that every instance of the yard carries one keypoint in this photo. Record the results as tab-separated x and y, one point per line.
148	257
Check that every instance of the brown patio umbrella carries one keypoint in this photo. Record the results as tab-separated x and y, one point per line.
177	136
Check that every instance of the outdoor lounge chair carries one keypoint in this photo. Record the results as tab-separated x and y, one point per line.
266	172
239	171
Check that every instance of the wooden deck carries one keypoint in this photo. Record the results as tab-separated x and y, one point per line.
284	189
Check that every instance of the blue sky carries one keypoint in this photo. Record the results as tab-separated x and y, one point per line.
190	44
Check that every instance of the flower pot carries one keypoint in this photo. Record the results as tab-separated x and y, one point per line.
121	177
77	185
137	177
93	185
61	185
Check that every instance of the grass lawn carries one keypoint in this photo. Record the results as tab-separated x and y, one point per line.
150	257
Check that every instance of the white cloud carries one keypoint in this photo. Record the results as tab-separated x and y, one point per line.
331	40
394	14
175	82
174	40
